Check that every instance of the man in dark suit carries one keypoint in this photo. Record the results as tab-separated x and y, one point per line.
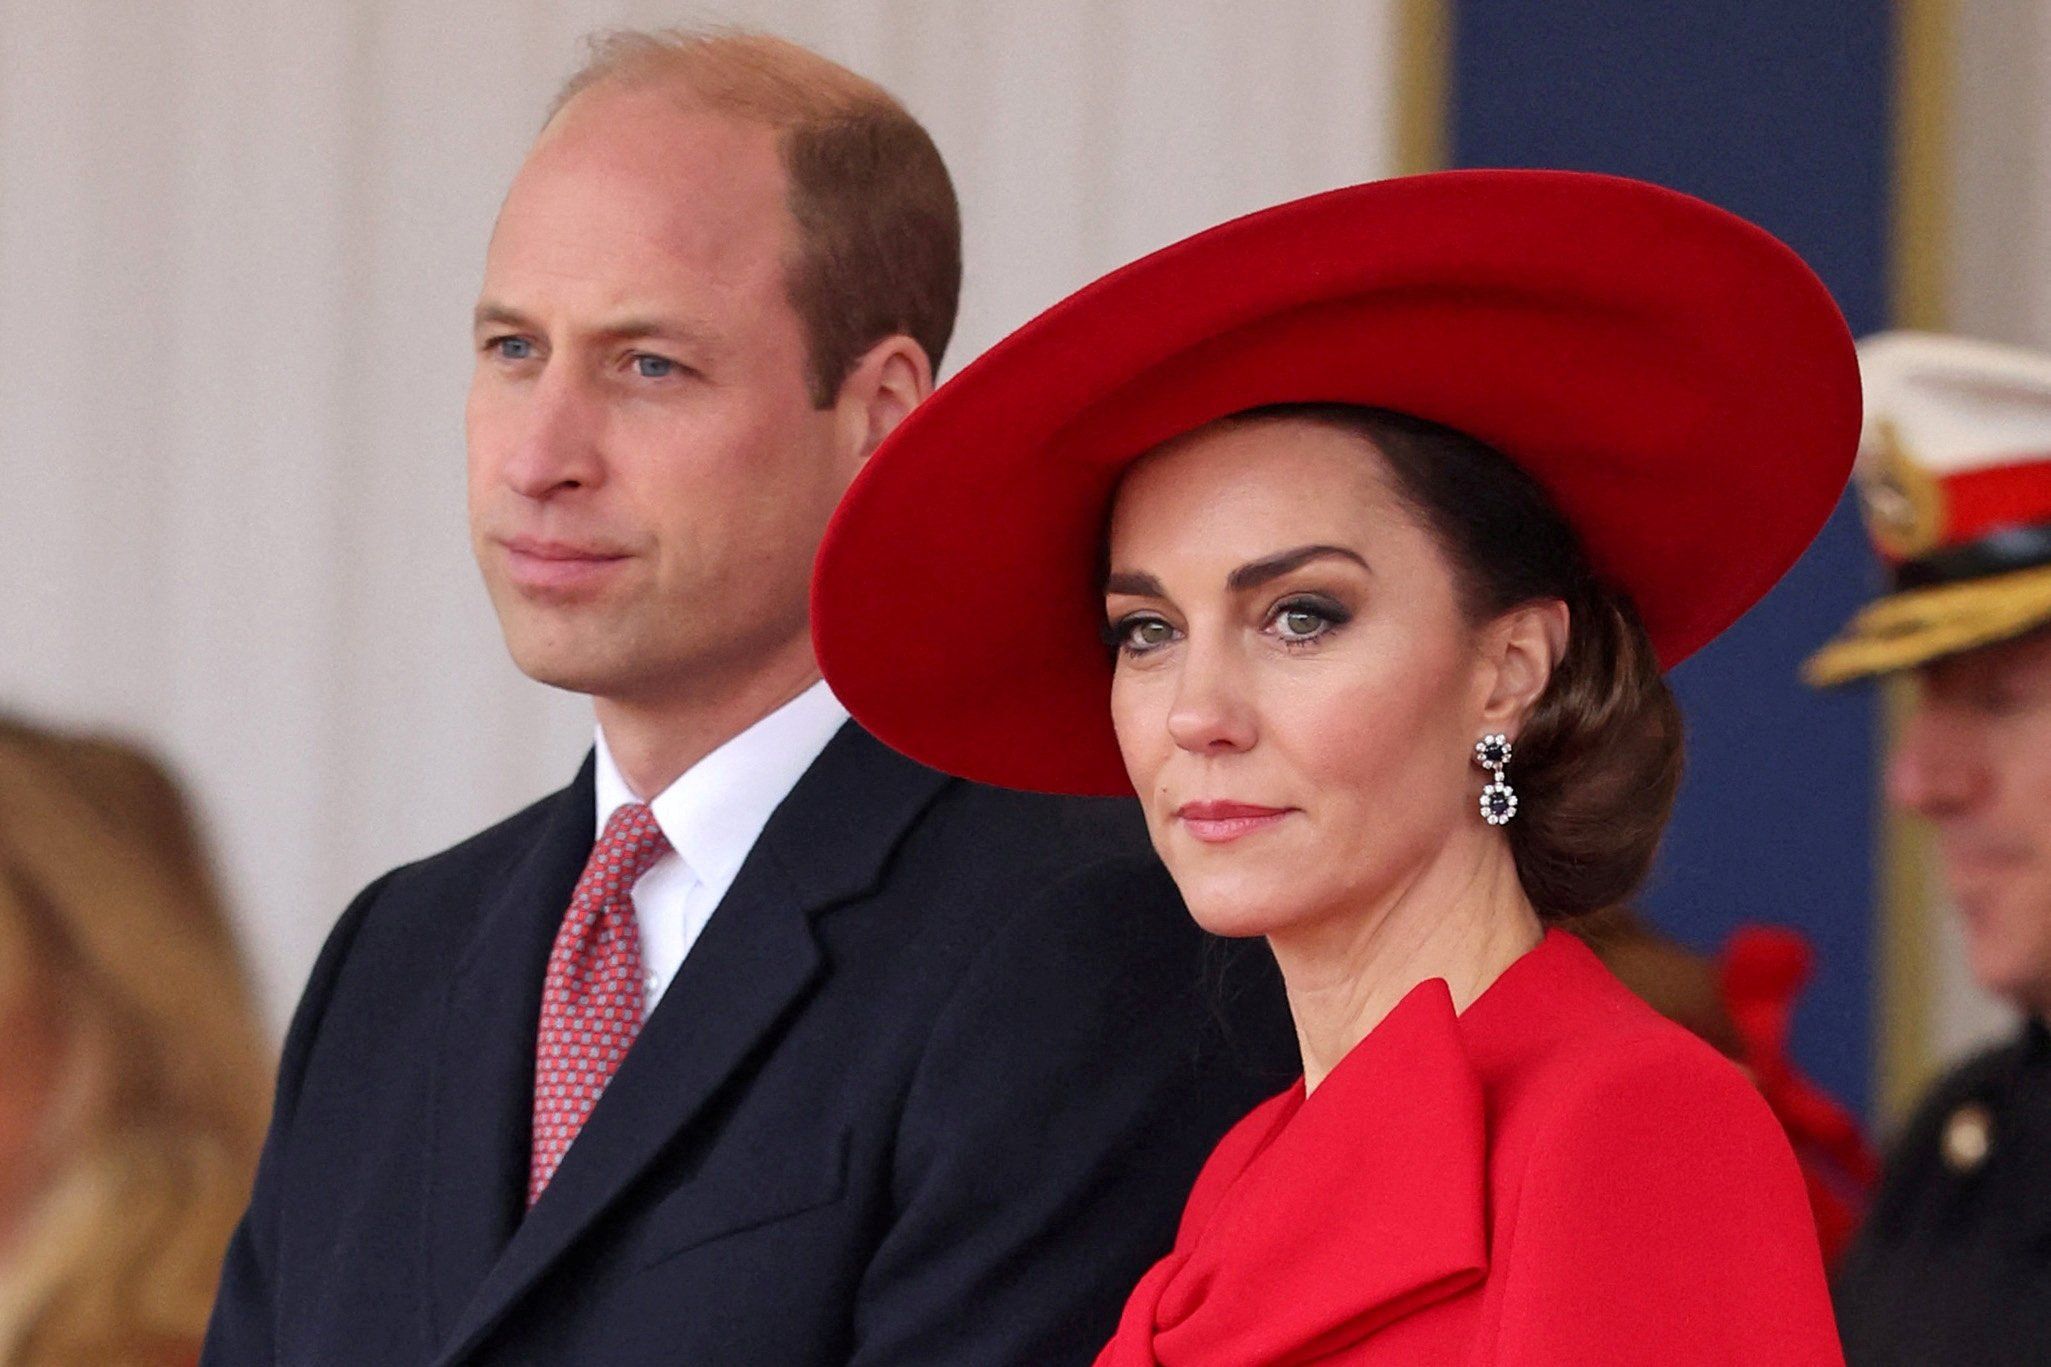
757	1044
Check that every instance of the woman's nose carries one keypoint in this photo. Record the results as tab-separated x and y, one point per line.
1212	712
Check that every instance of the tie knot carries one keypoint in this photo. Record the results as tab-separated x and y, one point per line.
630	843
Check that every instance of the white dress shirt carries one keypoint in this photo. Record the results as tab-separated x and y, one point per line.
711	817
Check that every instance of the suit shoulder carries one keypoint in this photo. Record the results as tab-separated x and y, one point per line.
493	847
1040	827
1006	849
419	913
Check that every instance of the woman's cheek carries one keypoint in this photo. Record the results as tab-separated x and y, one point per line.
1142	730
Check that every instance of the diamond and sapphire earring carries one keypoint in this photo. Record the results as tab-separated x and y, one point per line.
1498	799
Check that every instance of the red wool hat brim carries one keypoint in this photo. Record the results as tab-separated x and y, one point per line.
1680	383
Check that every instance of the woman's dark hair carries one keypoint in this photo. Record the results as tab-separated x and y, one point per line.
1598	761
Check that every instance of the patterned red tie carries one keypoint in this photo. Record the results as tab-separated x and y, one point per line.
593	998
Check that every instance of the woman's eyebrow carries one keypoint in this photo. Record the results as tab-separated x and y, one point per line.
1257	572
1136	584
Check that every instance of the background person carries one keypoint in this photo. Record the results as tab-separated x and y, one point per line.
133	1095
1954	1261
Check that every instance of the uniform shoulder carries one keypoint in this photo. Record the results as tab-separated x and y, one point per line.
1971	1076
1980	1076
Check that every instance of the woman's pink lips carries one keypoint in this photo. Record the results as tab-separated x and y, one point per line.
1217	822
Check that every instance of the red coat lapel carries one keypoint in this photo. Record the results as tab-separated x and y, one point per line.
1319	1221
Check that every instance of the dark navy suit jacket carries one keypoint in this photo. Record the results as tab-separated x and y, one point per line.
930	1089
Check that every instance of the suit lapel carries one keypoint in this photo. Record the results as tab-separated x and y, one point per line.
478	1130
755	962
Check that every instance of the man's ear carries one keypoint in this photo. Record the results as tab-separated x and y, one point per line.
889	380
1525	644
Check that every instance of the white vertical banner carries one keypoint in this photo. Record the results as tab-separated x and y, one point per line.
239	241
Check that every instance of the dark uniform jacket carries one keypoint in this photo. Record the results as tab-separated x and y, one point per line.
930	1089
1953	1266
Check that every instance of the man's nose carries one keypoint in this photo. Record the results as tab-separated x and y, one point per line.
1939	763
555	442
1212	712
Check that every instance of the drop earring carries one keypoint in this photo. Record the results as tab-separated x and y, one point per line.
1498	799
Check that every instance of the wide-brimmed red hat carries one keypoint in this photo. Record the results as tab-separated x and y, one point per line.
1676	378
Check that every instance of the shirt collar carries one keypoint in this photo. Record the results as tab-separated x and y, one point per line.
715	811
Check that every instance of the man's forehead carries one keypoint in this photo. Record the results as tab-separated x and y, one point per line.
666	126
2021	659
621	172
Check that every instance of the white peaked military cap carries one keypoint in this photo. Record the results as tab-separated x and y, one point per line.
1954	478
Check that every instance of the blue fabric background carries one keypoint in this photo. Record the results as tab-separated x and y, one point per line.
1778	110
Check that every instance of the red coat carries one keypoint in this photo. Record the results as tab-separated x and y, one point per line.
1558	1176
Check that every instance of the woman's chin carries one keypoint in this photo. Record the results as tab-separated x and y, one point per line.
1238	912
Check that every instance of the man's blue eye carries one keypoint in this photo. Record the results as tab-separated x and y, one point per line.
654	367
515	348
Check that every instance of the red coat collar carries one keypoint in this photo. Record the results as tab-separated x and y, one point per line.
1321	1220
1318	1221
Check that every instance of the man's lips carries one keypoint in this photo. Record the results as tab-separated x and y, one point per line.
1215	822
554	566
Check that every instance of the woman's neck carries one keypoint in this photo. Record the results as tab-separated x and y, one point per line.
1463	917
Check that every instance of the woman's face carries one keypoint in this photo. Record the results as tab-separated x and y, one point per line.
1297	692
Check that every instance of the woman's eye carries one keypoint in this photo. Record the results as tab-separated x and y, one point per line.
1300	624
654	367
1138	635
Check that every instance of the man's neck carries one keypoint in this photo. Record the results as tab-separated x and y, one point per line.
654	743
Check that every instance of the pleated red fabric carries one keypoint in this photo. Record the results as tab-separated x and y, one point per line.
1558	1176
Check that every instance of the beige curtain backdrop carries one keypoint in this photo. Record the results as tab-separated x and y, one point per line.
239	241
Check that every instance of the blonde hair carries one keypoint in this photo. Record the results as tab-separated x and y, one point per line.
118	949
879	229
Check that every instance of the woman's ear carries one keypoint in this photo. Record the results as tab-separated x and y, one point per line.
1526	644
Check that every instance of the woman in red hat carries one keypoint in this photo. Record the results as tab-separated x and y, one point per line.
1354	536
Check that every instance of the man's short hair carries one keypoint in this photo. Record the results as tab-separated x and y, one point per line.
879	231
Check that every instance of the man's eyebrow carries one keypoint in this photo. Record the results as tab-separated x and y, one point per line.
682	331
490	314
1138	585
1257	572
